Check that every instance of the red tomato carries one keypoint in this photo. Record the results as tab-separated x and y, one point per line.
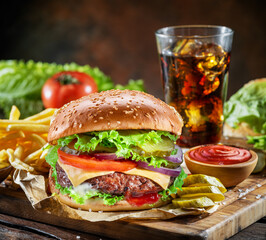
66	86
91	163
149	198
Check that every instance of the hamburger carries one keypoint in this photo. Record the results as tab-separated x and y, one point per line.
115	151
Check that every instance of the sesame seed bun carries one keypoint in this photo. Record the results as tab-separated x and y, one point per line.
114	109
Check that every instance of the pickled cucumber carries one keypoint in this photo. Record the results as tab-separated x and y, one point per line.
216	197
201	189
162	148
201	202
209	191
196	180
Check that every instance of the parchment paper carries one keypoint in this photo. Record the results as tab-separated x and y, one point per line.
35	189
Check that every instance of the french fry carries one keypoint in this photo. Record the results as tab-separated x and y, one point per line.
3	159
45	113
44	153
14	113
5	122
28	127
24	141
38	139
17	163
45	121
4	165
14	135
3	155
18	152
33	156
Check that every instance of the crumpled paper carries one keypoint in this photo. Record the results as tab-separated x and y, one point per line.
34	187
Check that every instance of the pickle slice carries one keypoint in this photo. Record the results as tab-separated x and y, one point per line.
196	180
209	191
216	197
201	202
162	148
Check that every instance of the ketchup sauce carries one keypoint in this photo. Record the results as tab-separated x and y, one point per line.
149	198
220	154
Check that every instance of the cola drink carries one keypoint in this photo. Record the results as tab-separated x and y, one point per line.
195	76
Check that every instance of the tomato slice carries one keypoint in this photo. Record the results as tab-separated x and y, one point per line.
91	163
149	198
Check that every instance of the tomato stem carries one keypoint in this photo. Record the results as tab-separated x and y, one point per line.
67	79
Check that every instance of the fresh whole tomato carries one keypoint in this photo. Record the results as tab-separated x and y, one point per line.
66	86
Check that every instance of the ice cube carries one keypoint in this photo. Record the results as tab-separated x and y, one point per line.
209	85
187	47
196	120
212	59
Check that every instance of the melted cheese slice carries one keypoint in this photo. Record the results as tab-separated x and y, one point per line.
161	179
78	175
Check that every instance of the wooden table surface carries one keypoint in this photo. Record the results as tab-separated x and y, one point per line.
24	227
17	228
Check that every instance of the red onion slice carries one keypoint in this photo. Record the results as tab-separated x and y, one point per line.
177	158
106	156
167	171
70	150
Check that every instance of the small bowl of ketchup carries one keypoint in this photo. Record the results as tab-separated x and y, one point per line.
231	165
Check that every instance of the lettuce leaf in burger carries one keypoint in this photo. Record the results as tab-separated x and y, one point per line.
115	150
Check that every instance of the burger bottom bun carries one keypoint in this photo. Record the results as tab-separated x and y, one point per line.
97	204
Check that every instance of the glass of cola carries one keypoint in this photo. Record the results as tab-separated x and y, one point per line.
194	70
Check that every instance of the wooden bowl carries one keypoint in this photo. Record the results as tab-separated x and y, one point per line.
229	175
4	172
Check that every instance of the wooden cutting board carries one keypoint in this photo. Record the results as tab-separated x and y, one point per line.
243	205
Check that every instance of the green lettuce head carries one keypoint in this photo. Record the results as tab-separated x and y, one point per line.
248	105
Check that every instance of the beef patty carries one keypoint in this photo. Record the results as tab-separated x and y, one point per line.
116	183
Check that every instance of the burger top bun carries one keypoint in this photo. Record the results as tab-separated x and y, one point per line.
114	109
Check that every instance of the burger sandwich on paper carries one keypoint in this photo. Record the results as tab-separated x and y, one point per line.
115	151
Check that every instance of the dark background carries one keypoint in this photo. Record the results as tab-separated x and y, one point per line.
118	36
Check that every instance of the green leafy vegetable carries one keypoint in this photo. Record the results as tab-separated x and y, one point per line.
258	141
248	105
132	85
21	83
108	199
178	183
123	141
